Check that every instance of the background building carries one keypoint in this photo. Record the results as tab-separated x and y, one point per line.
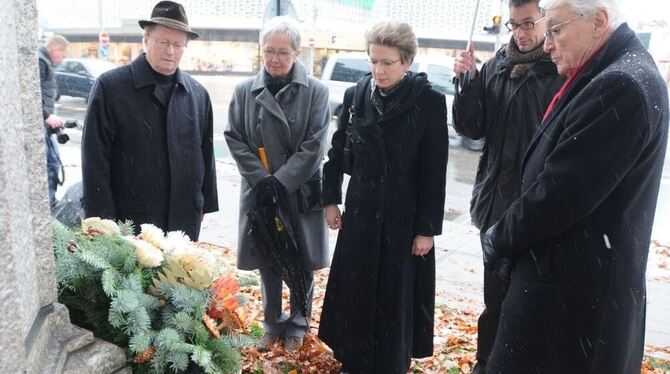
229	29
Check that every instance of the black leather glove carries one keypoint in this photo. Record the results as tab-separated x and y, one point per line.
489	252
494	261
268	191
503	267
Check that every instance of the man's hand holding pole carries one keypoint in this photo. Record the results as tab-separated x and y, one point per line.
465	66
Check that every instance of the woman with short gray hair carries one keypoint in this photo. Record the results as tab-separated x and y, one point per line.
379	303
283	25
281	113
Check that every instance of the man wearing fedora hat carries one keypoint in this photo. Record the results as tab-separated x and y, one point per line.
147	148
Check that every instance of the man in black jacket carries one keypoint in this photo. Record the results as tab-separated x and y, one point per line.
51	54
147	148
503	103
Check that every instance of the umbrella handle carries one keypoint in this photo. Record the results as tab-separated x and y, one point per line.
263	157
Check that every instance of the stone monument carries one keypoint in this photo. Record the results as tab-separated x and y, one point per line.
36	335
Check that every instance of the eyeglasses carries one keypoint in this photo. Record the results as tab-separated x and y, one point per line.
555	29
384	63
527	25
282	55
165	44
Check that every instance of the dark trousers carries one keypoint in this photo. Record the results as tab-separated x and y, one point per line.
53	168
495	290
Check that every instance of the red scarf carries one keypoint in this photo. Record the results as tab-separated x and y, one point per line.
568	83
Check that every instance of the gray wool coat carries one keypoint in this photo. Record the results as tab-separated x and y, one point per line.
292	127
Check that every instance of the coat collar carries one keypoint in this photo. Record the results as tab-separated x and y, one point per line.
299	77
621	42
410	91
143	76
42	52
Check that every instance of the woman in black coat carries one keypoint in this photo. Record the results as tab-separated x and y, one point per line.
379	304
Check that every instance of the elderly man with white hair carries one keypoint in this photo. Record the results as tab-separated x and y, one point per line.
581	229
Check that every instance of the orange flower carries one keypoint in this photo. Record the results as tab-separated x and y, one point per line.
223	296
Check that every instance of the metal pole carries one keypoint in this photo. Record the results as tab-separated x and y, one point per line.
100	25
463	81
278	8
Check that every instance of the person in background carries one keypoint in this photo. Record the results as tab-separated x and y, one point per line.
503	103
378	309
285	111
50	55
579	233
147	147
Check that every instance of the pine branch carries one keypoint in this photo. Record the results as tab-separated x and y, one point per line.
203	358
93	259
127	227
141	342
110	281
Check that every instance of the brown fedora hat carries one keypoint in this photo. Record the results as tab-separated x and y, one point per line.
171	15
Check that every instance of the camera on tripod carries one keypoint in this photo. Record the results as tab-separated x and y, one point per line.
61	136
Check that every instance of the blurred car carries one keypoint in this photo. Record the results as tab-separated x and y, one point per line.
343	70
75	76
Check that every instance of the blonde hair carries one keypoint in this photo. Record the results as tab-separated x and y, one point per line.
393	34
57	42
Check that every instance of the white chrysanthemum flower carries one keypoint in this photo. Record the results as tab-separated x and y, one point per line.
153	235
104	226
176	242
147	254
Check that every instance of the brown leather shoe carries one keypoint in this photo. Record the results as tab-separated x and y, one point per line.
266	341
292	343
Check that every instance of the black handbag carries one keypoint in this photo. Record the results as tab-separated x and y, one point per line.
310	194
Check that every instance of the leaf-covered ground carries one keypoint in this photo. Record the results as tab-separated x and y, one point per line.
455	334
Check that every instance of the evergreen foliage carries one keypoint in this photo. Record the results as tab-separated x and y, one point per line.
106	291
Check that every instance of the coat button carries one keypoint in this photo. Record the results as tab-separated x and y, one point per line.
290	119
378	216
294	90
381	179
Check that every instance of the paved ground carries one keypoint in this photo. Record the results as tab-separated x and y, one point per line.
459	270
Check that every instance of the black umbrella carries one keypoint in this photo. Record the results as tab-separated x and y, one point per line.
276	238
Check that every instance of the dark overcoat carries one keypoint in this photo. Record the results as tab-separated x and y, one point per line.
505	110
580	232
379	304
144	163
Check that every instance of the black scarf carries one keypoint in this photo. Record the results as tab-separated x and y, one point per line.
383	100
522	62
275	85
